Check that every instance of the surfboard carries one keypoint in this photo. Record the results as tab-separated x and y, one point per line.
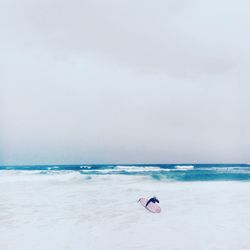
152	207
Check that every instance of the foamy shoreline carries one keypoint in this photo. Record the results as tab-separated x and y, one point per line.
73	212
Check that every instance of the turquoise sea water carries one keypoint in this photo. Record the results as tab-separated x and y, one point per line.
160	172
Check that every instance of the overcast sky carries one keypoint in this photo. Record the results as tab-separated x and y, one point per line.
115	81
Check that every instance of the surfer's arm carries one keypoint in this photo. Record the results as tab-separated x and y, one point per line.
150	200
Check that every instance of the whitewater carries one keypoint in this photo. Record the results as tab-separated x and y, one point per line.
95	207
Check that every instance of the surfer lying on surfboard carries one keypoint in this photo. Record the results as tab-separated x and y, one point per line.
153	199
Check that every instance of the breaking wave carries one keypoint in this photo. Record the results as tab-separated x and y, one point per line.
159	172
184	167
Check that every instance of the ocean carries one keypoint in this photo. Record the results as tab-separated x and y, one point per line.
161	172
73	207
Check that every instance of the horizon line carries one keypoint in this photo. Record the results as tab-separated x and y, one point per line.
121	164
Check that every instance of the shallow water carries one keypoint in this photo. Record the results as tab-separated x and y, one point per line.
70	210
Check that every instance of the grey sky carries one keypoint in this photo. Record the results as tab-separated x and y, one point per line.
124	81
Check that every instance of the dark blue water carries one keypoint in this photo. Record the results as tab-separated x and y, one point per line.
178	172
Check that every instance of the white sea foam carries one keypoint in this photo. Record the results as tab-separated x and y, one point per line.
137	168
187	167
238	170
128	169
85	167
40	176
66	211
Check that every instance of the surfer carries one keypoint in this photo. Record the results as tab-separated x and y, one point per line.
153	199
